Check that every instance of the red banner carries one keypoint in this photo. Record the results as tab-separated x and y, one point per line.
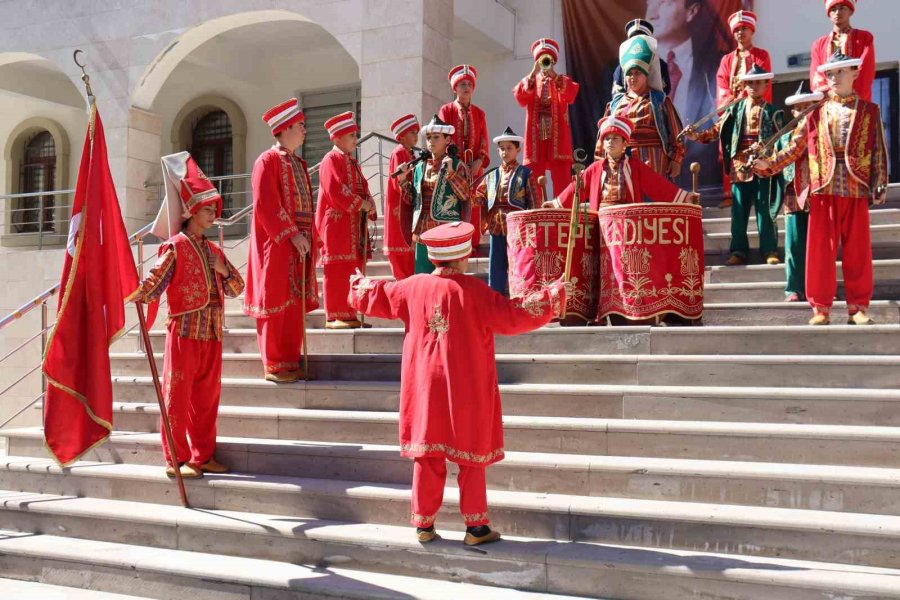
651	260
536	244
98	274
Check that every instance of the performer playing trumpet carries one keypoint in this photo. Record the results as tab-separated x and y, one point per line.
546	97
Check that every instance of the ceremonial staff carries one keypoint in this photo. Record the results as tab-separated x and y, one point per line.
303	305
695	177
142	321
573	225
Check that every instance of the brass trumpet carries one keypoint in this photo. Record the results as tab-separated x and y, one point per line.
546	62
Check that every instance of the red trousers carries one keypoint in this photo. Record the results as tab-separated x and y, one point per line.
403	264
336	290
192	384
835	221
429	476
280	338
560	170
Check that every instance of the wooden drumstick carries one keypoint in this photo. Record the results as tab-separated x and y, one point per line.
542	182
695	172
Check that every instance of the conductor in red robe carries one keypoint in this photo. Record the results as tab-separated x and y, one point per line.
854	43
283	245
449	398
398	246
546	97
470	133
344	207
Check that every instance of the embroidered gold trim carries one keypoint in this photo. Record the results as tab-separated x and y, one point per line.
450	452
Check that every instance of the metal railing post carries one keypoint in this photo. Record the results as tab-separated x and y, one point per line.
44	322
140	266
40	222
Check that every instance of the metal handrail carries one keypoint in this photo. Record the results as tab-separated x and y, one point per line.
137	238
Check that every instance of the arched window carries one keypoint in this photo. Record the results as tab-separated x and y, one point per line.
38	175
211	147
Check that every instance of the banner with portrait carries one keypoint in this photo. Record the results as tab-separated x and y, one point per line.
693	36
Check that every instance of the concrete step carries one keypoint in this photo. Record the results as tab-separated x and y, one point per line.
32	590
883	270
843	371
280	472
176	574
685	403
865	540
751	314
879	339
707	440
722	224
590	570
721	293
747	314
883	235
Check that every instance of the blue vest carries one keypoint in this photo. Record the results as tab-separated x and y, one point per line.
657	100
518	187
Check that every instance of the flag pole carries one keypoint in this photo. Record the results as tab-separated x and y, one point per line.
92	100
164	416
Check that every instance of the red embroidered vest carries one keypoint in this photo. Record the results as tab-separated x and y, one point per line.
189	289
864	135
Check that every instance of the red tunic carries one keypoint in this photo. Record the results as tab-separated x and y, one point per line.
282	207
562	92
449	399
857	43
397	196
342	189
639	180
725	76
472	140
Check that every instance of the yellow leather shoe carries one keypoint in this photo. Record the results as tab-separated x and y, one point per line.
340	324
820	319
772	259
214	466
860	318
734	260
426	536
187	472
284	376
472	540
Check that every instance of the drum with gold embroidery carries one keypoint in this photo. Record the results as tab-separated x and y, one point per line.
536	245
651	260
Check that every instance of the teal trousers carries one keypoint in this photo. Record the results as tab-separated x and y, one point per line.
746	196
795	227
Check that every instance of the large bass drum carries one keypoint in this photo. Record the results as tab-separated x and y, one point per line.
536	245
651	261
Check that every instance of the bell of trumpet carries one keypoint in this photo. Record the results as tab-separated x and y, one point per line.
546	62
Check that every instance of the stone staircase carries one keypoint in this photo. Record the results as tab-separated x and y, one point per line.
754	457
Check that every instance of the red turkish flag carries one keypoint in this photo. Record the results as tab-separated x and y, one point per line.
98	274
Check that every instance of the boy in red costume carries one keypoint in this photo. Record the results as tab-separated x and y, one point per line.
847	170
398	201
196	277
618	178
471	133
854	43
546	97
344	207
449	398
283	245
